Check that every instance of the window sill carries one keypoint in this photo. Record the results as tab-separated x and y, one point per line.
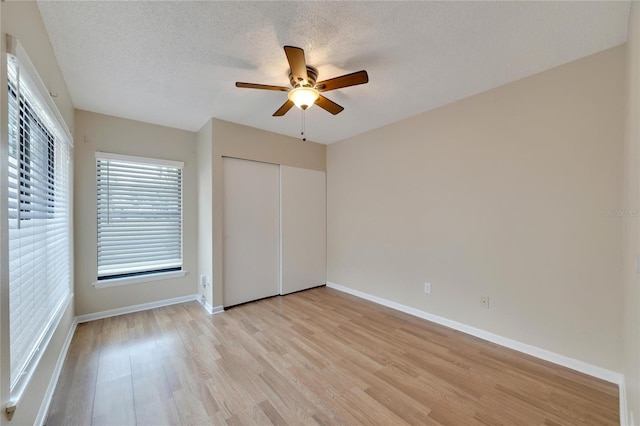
116	282
18	389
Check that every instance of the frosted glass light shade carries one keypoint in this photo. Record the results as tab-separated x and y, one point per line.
303	97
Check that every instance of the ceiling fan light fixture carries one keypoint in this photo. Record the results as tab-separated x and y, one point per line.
305	88
303	97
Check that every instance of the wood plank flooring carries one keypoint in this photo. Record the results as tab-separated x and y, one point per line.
315	357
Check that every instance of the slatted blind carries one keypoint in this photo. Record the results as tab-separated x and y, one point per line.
139	216
38	220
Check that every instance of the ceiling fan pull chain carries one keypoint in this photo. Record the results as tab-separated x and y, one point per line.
302	125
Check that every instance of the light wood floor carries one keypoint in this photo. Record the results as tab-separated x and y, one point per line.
315	357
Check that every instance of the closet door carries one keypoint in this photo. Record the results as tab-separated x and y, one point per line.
303	212
251	248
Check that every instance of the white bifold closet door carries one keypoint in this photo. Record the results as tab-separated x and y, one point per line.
303	212
251	215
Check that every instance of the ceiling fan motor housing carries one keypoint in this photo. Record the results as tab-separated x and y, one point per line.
312	77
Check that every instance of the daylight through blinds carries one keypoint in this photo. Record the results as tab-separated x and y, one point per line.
139	216
38	220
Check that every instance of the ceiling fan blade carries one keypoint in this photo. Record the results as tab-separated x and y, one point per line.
283	109
261	86
328	105
298	65
353	79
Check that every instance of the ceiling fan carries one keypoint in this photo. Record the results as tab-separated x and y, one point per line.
305	90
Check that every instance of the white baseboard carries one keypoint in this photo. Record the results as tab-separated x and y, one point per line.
55	376
207	307
135	308
565	361
212	310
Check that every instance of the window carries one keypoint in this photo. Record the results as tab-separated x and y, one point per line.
139	206
32	152
38	193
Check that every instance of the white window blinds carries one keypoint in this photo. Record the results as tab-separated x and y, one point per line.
139	216
38	192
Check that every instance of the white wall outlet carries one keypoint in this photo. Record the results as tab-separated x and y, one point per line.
427	288
484	302
203	281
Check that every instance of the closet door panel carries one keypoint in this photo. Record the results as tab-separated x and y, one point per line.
251	216
303	212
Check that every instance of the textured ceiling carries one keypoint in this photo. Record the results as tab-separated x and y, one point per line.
175	63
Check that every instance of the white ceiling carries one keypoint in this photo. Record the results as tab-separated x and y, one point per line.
175	63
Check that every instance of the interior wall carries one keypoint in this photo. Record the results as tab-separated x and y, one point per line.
22	20
97	132
631	336
511	194
205	213
238	141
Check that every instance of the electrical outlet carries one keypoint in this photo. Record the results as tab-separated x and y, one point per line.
427	288
203	281
484	302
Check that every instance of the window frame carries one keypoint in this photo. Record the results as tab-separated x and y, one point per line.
151	274
43	107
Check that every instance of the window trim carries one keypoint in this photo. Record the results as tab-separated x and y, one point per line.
117	282
52	119
41	93
144	160
107	282
21	383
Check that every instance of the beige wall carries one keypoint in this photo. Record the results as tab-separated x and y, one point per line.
97	132
502	194
22	20
205	212
235	140
631	335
